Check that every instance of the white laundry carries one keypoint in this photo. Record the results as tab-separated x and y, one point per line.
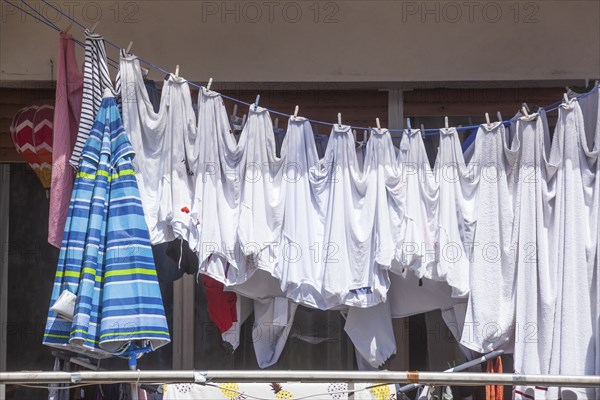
536	278
299	268
455	212
159	143
372	333
351	275
409	295
263	191
574	250
217	160
489	322
590	108
417	248
273	320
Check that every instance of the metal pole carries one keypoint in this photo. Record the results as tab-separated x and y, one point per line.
461	367
429	378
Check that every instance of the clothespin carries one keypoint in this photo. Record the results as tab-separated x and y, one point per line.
365	135
244	120
127	51
408	125
446	124
177	71
68	28
210	81
145	71
587	82
524	111
235	106
296	112
499	115
526	107
339	118
256	102
487	119
276	123
422	128
378	124
354	134
566	97
94	26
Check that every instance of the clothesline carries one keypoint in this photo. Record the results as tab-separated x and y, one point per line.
425	132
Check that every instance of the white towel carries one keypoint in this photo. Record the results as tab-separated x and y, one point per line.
489	322
574	249
536	280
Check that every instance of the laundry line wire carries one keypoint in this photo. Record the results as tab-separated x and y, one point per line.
425	132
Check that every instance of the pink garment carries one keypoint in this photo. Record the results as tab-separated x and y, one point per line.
67	109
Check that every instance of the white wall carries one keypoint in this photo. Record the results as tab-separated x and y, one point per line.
345	41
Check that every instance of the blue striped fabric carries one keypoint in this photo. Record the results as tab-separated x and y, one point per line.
105	257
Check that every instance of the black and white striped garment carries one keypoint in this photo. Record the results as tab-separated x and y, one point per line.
95	79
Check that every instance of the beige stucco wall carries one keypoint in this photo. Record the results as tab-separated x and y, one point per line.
342	41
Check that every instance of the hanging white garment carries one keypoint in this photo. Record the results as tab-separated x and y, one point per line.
372	333
299	267
273	321
536	278
159	143
217	161
262	193
574	249
409	295
590	108
489	322
351	275
456	219
417	248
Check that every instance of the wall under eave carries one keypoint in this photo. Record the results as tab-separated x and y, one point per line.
335	41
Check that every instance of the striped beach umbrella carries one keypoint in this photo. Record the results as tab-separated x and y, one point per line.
31	133
106	264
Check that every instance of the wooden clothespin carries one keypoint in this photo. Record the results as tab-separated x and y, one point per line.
487	120
276	123
244	120
208	85
93	29
422	128
235	106
339	118
365	135
296	112
587	82
67	28
499	115
378	124
526	107
524	111
446	124
177	71
408	125
566	97
354	134
256	102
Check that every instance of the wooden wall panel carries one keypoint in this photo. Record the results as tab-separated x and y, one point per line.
358	107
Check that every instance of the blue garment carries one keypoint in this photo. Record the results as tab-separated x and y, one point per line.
106	258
